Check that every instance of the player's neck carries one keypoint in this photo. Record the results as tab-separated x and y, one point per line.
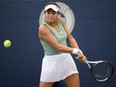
53	24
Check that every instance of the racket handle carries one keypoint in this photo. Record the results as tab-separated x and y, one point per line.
85	61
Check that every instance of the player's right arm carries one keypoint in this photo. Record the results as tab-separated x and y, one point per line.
46	35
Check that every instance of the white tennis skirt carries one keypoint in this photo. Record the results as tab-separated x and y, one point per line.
57	67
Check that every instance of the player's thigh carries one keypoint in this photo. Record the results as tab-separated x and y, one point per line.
73	80
46	84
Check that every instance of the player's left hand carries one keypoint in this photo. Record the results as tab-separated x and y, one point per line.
81	57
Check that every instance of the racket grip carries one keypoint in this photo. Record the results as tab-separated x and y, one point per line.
85	61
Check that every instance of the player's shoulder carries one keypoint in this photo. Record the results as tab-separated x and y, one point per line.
43	29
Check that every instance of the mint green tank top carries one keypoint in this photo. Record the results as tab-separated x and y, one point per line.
60	36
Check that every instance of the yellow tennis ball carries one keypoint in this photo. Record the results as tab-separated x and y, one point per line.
7	43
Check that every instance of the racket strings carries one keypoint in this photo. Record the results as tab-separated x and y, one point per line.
102	71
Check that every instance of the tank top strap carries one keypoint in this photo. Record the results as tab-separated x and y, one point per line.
48	26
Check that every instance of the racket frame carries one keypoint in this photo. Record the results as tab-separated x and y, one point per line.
96	62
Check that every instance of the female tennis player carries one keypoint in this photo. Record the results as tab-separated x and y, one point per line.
58	63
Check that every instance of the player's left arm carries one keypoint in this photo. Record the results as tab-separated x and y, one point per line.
72	42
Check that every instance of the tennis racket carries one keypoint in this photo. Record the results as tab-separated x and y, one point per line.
100	70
